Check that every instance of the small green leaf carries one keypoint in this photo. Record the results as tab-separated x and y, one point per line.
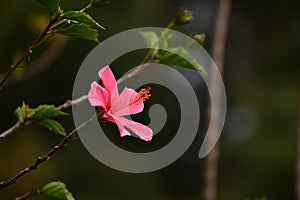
75	29
20	112
57	190
23	112
150	38
181	57
47	111
53	126
82	17
52	6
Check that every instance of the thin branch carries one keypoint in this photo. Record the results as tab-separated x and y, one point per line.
37	162
11	130
46	157
134	72
27	53
27	195
43	62
70	103
218	54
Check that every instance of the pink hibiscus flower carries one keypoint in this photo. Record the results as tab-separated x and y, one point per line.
115	106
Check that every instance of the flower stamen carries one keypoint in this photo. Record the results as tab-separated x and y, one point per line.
141	96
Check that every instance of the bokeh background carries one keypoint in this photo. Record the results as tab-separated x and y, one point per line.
258	147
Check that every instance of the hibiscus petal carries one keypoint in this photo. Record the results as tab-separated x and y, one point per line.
109	81
144	132
121	128
123	105
98	96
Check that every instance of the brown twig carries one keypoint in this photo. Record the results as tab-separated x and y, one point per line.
44	158
43	62
27	53
37	162
11	130
218	54
70	103
133	73
27	195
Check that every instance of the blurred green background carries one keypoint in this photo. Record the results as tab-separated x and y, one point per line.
258	144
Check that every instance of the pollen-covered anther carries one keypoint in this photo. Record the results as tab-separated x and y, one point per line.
141	96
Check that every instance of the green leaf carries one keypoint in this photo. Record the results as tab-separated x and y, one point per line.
47	111
150	38
20	112
75	29
57	190
52	6
181	57
82	17
23	112
163	43
53	126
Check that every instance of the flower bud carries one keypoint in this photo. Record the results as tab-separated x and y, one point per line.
183	16
200	38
